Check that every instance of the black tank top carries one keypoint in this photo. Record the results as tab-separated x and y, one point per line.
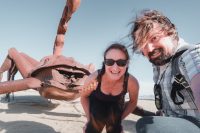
104	97
103	106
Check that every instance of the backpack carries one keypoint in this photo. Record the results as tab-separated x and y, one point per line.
178	85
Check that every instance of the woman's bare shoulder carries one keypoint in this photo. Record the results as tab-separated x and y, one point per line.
133	82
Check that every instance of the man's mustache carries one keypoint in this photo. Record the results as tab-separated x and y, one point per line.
155	51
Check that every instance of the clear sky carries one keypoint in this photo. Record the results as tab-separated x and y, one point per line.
31	25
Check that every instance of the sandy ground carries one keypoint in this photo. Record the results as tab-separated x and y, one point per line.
30	113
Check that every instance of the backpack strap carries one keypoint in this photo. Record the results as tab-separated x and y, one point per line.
175	67
175	59
179	80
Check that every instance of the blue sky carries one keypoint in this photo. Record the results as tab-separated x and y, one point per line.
31	25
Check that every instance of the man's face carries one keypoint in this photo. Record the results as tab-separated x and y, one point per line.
158	46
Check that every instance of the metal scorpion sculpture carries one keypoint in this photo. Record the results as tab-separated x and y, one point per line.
55	76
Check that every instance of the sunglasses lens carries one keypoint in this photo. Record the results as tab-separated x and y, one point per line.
157	103
109	62
121	62
158	96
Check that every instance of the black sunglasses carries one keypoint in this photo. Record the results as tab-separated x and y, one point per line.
120	62
158	96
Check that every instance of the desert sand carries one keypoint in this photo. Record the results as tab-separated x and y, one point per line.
30	113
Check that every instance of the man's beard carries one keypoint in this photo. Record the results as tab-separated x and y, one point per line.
161	60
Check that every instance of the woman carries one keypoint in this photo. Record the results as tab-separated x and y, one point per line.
102	96
55	76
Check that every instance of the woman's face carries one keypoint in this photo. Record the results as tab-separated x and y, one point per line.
115	64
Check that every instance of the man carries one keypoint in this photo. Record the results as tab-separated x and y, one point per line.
176	68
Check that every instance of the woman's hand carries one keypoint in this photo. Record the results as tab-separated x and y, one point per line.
88	88
84	127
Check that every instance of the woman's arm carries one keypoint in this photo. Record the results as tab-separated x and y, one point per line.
85	105
89	86
133	89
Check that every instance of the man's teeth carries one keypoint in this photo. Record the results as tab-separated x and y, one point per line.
155	54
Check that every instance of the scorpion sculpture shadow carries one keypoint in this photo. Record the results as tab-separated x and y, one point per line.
55	76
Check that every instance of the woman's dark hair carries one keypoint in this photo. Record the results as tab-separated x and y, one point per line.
113	46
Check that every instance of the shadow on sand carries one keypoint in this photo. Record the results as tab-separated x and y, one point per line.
34	105
15	128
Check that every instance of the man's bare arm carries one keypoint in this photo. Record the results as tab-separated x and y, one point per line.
195	86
